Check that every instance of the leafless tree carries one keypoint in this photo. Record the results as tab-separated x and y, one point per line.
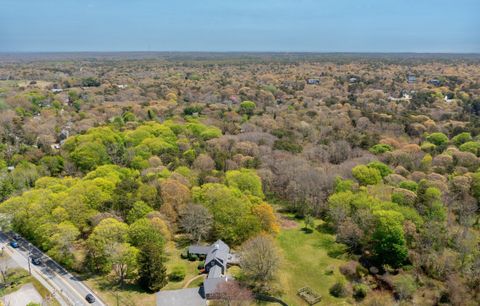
196	221
259	259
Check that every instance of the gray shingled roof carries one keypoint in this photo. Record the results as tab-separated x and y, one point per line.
198	249
219	252
210	284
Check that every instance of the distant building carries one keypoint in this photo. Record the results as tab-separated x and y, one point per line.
57	90
55	146
411	78
353	80
448	98
217	258
435	82
122	86
313	81
64	133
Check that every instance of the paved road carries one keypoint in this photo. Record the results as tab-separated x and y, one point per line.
68	289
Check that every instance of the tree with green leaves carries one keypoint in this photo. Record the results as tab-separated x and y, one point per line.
381	167
309	222
102	240
438	139
246	180
247	107
233	219
151	267
124	261
389	244
366	175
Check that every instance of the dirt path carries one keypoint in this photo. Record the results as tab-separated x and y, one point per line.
192	279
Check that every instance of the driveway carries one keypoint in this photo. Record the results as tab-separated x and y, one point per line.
181	297
26	294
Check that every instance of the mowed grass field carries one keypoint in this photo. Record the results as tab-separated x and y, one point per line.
310	259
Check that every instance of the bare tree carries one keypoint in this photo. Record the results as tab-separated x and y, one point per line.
196	221
232	293
259	260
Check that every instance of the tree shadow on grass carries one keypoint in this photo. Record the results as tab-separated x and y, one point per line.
325	229
183	242
307	230
106	284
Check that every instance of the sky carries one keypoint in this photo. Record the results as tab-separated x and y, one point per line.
433	26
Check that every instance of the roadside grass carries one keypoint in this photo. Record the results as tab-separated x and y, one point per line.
17	277
46	295
128	295
311	258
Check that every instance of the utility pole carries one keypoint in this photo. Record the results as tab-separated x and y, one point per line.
28	260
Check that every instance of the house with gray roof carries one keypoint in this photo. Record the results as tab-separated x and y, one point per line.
217	257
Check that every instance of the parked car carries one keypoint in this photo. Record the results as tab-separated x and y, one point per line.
90	298
36	261
16	237
14	244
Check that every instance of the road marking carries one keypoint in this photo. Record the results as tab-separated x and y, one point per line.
52	284
52	273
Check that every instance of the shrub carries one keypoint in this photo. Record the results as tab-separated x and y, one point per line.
184	255
329	270
381	148
409	185
462	138
428	147
381	167
287	145
90	82
438	139
343	185
192	257
190	110
339	289
247	107
201	266
360	291
471	146
404	286
349	270
177	274
404	197
366	175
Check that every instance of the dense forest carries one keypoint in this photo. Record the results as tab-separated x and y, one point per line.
106	162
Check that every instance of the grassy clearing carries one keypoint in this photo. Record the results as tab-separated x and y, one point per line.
310	259
128	295
174	260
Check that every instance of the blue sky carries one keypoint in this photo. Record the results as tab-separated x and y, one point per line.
246	25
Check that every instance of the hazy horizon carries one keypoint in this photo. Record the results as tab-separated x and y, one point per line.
282	26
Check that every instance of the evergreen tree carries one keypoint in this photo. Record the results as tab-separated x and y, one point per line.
152	270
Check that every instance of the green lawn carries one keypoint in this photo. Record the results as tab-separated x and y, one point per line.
173	252
308	258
